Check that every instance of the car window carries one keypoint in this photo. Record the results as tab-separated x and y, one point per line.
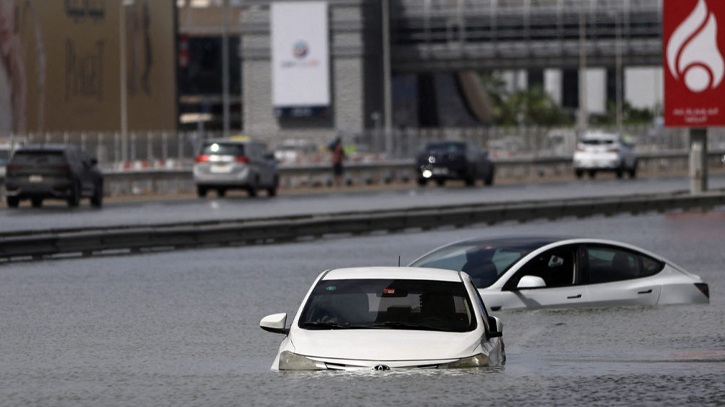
555	267
388	303
485	264
234	149
603	264
597	142
448	148
39	158
4	156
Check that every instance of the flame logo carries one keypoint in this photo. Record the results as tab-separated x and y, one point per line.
692	52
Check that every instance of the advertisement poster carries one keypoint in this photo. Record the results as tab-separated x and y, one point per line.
300	59
694	37
60	65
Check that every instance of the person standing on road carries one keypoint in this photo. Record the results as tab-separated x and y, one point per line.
338	155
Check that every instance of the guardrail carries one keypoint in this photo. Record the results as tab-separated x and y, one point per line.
171	181
118	240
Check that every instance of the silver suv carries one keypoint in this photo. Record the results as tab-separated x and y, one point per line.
224	164
604	152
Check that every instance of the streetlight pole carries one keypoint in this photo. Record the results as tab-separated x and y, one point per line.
387	79
225	67
583	121
619	79
124	85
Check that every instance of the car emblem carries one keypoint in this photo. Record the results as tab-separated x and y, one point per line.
381	368
431	159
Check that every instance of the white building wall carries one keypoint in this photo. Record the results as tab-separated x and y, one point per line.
643	87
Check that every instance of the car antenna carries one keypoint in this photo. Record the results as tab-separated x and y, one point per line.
398	260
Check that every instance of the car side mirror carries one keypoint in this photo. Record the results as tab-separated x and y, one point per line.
94	161
495	327
527	282
275	323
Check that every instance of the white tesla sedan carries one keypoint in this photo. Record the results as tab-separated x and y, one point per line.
384	318
539	272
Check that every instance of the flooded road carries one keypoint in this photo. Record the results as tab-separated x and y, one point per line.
181	328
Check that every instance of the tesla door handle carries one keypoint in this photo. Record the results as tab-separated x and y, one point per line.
645	292
573	297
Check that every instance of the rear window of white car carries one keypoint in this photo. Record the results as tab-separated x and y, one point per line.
597	142
223	149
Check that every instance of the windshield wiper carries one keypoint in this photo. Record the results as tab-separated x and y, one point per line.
332	325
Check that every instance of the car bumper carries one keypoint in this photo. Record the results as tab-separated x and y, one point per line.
431	172
242	177
604	164
60	189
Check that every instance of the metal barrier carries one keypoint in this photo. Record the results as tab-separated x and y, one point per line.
173	181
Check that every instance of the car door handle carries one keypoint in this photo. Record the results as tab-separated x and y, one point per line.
645	292
573	297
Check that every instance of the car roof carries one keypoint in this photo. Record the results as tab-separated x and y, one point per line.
226	141
599	135
515	241
400	273
45	147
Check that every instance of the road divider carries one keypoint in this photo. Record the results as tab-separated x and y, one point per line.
36	245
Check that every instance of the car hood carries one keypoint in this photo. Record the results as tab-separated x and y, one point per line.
385	344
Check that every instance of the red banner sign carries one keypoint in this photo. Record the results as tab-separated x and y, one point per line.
694	62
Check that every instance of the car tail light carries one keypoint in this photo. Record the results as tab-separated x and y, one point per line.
579	147
242	159
201	158
11	168
703	289
613	149
64	168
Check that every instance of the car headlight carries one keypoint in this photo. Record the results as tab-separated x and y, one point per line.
427	173
479	360
292	361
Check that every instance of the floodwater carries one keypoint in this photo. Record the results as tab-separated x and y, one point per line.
181	329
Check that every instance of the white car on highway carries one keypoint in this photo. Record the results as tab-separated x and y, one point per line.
598	151
383	318
539	272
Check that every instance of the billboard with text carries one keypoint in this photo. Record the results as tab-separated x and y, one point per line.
60	66
694	40
300	59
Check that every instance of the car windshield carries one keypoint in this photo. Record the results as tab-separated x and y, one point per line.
389	304
234	149
446	148
485	263
39	157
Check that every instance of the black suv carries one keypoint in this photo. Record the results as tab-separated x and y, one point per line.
37	172
457	160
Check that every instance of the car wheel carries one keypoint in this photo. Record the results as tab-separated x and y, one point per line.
201	191
489	180
97	198
252	189
422	182
579	173
272	191
620	172
470	182
220	192
441	182
13	201
75	198
592	174
36	202
633	171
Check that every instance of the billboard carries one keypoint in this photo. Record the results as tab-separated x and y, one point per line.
300	59
60	68
694	66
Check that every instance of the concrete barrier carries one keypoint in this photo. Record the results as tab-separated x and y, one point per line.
130	239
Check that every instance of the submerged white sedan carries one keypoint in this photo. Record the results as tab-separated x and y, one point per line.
383	318
540	272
